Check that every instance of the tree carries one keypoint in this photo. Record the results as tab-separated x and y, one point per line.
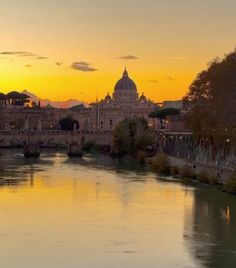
16	98
22	99
163	113
3	98
211	102
2	101
33	104
68	123
132	135
211	105
12	97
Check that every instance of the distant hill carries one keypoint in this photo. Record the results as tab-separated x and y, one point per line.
56	104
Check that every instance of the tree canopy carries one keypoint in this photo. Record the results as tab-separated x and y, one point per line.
212	95
162	113
211	99
14	98
3	97
132	135
68	123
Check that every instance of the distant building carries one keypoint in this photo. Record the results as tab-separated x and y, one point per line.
175	123
178	104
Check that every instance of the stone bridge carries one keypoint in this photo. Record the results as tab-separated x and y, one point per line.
50	138
168	142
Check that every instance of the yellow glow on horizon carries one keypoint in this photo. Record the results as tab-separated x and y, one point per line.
166	36
61	82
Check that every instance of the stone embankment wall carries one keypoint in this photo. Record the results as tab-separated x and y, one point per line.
182	146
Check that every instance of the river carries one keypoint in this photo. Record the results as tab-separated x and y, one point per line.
97	212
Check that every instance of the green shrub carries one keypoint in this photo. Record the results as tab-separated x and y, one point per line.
161	164
88	145
186	172
213	180
230	185
174	171
203	176
141	156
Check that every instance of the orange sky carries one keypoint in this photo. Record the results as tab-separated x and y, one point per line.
169	41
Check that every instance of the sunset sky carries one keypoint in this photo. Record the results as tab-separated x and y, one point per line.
62	49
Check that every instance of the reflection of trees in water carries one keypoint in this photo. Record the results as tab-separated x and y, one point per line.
15	169
106	162
212	233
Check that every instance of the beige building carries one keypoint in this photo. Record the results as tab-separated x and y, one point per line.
125	102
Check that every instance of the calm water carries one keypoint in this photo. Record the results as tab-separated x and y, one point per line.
98	213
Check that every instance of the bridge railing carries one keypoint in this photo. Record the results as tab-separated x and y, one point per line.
53	132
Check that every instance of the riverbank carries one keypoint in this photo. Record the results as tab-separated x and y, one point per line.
221	173
224	180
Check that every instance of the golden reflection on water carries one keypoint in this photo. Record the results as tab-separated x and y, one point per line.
83	214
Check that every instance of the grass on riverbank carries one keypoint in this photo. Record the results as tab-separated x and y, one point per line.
230	185
162	165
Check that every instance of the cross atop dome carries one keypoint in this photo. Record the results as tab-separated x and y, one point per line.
125	73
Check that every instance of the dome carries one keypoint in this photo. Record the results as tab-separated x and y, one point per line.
143	98
125	83
108	97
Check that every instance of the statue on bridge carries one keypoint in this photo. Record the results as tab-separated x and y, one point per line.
31	149
74	147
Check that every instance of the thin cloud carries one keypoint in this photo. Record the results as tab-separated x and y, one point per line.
18	53
128	57
22	54
170	78
58	63
83	66
153	81
42	58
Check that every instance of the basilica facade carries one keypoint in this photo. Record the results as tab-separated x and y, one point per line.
125	102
